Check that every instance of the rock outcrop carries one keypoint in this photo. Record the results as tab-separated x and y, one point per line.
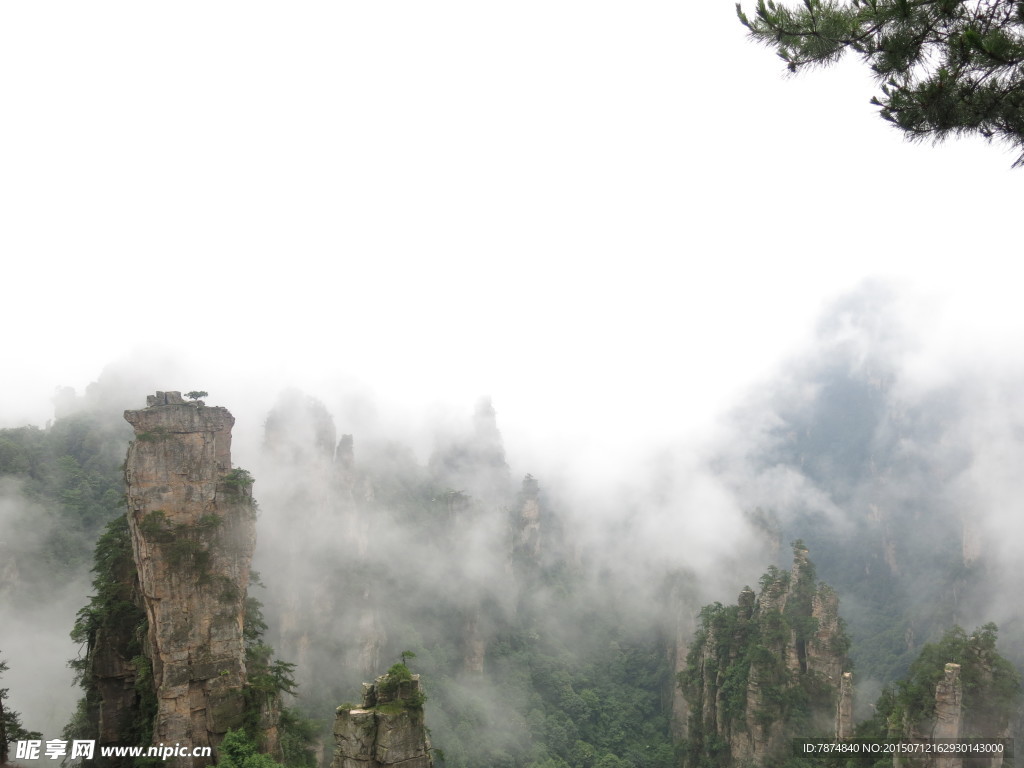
192	526
526	533
947	723
754	665
977	696
948	704
386	729
844	707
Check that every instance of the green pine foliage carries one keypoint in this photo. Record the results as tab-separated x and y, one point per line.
239	750
267	677
113	604
114	617
269	680
946	67
391	687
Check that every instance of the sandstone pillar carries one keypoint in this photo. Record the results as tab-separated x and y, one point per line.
192	527
844	707
948	712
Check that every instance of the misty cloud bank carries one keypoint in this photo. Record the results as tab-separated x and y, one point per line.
899	470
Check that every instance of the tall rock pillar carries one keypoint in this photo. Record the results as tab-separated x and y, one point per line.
192	527
844	707
949	713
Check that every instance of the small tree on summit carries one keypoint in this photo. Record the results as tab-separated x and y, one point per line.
195	394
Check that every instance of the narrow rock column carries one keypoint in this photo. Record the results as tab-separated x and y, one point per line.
949	712
844	707
192	527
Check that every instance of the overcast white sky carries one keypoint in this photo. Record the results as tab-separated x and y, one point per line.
610	217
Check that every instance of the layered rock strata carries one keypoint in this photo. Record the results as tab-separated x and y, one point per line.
386	729
192	527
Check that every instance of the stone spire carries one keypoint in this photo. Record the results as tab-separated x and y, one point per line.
844	707
192	527
948	712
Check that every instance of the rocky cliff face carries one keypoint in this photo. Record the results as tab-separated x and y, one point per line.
765	668
386	729
192	527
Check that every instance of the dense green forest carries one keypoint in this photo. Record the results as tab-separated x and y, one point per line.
68	485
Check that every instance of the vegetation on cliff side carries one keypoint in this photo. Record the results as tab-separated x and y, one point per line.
991	689
269	681
113	626
396	691
881	510
111	629
749	678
